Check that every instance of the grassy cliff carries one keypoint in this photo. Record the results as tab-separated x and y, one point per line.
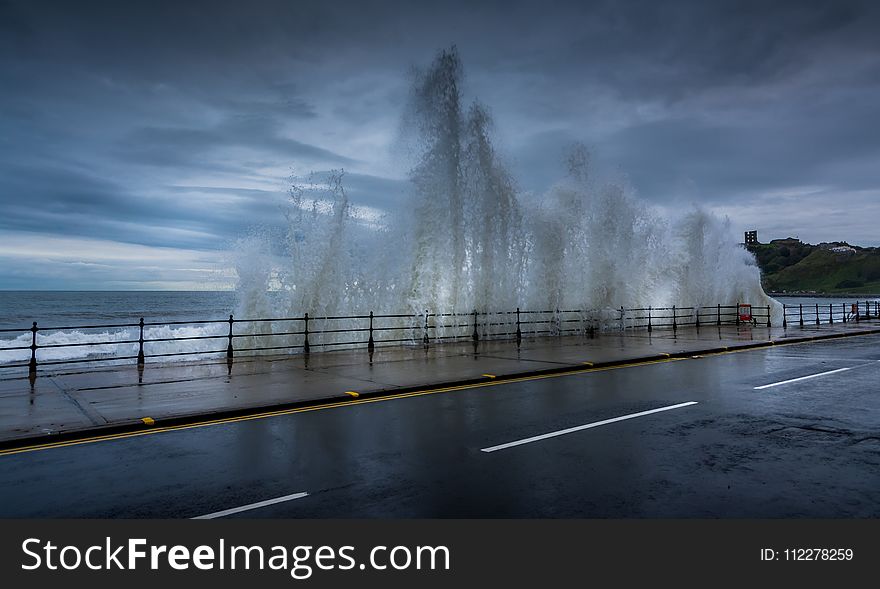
791	266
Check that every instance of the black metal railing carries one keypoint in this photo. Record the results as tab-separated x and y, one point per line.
802	315
124	342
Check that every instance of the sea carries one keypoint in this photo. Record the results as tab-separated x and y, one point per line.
19	309
61	315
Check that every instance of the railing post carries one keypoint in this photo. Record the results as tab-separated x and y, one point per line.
830	313
371	345
141	343
229	347
476	335
518	330
649	320
425	339
674	323
697	317
622	324
718	314
843	311
32	365
817	313
737	314
801	307
784	318
306	346
768	316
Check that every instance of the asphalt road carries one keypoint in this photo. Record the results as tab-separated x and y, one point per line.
611	443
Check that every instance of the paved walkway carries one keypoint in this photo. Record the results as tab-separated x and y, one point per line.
106	399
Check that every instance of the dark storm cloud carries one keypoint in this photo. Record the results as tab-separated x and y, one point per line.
181	146
178	123
68	202
797	143
671	49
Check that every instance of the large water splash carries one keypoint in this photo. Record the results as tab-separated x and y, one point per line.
469	240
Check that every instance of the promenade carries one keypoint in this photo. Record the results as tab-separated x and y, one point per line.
66	404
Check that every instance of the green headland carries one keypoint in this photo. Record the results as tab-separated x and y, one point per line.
791	266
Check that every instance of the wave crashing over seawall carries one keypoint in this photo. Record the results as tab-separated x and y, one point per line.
467	239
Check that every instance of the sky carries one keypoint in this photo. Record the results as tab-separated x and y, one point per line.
139	140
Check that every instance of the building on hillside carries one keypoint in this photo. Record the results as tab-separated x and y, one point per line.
751	238
786	241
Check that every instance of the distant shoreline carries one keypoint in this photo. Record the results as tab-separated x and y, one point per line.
824	295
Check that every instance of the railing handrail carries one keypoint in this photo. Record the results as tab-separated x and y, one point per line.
349	317
476	324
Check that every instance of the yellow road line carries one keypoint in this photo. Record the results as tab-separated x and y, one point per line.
225	420
353	401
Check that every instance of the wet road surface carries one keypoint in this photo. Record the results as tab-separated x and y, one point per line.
789	431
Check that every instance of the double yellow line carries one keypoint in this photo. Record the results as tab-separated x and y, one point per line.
355	400
347	403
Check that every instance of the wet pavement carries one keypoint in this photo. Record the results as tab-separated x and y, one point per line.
80	401
690	437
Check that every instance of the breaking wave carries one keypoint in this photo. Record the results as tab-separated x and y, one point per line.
467	239
108	351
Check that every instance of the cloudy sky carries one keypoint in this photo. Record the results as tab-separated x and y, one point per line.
139	139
